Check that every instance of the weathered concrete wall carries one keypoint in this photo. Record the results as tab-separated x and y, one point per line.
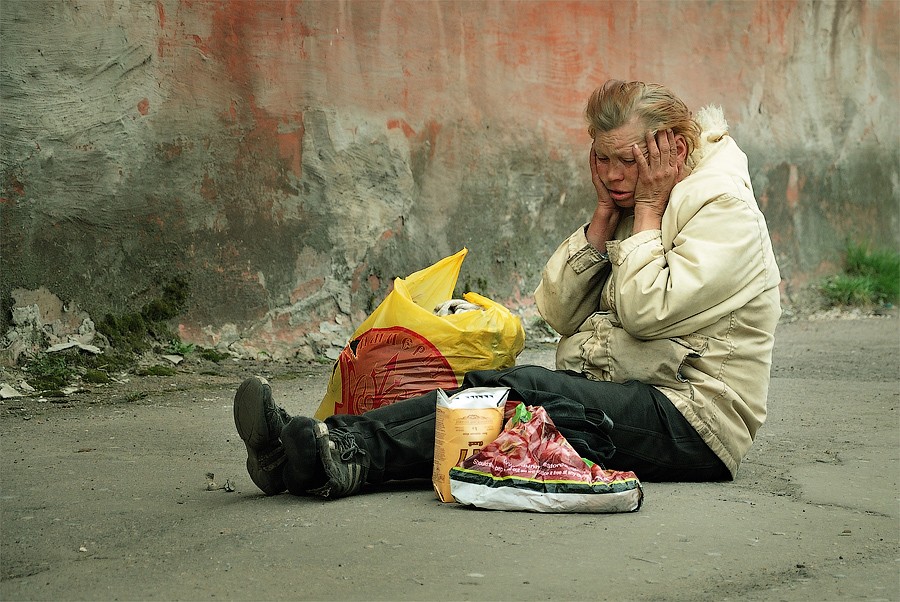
288	159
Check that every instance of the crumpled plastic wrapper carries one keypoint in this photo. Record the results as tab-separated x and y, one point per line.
455	306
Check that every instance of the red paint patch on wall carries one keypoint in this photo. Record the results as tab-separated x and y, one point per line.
200	45
356	276
231	114
15	185
193	333
429	134
306	289
143	107
208	188
169	151
290	149
250	276
794	186
161	42
278	138
394	124
240	35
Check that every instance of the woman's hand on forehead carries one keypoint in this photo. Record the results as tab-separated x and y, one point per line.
642	143
657	167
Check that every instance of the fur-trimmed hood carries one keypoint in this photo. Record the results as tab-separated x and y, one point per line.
713	127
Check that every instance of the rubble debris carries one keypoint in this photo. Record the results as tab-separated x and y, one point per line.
63	346
211	484
8	392
41	320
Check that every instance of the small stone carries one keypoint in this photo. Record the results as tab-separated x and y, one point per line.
8	392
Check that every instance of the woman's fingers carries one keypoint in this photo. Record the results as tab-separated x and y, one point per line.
658	170
661	150
653	148
673	149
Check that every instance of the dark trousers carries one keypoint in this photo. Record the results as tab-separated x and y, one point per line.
629	426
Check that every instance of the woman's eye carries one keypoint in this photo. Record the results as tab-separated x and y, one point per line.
603	159
627	161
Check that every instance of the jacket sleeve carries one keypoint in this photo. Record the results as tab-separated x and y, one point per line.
717	264
571	284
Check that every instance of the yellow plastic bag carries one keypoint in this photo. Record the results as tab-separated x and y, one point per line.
403	349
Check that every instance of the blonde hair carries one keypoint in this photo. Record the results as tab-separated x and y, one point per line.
613	104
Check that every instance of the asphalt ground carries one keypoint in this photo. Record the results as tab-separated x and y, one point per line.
105	496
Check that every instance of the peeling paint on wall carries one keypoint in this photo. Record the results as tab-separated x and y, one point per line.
289	159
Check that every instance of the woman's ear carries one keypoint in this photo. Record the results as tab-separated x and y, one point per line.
681	148
681	152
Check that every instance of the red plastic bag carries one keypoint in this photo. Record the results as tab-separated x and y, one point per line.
530	466
405	349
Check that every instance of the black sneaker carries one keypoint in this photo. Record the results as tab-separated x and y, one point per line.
259	422
346	464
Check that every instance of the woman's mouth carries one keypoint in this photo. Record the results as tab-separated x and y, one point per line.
618	196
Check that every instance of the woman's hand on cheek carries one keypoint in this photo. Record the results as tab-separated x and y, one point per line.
606	213
657	175
602	192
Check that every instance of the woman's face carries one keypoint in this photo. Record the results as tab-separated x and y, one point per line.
615	160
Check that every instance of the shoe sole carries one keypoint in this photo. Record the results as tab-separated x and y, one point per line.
253	429
250	413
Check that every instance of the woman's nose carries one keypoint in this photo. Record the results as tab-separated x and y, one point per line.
616	171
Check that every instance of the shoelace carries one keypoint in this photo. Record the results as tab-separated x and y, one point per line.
276	418
345	444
